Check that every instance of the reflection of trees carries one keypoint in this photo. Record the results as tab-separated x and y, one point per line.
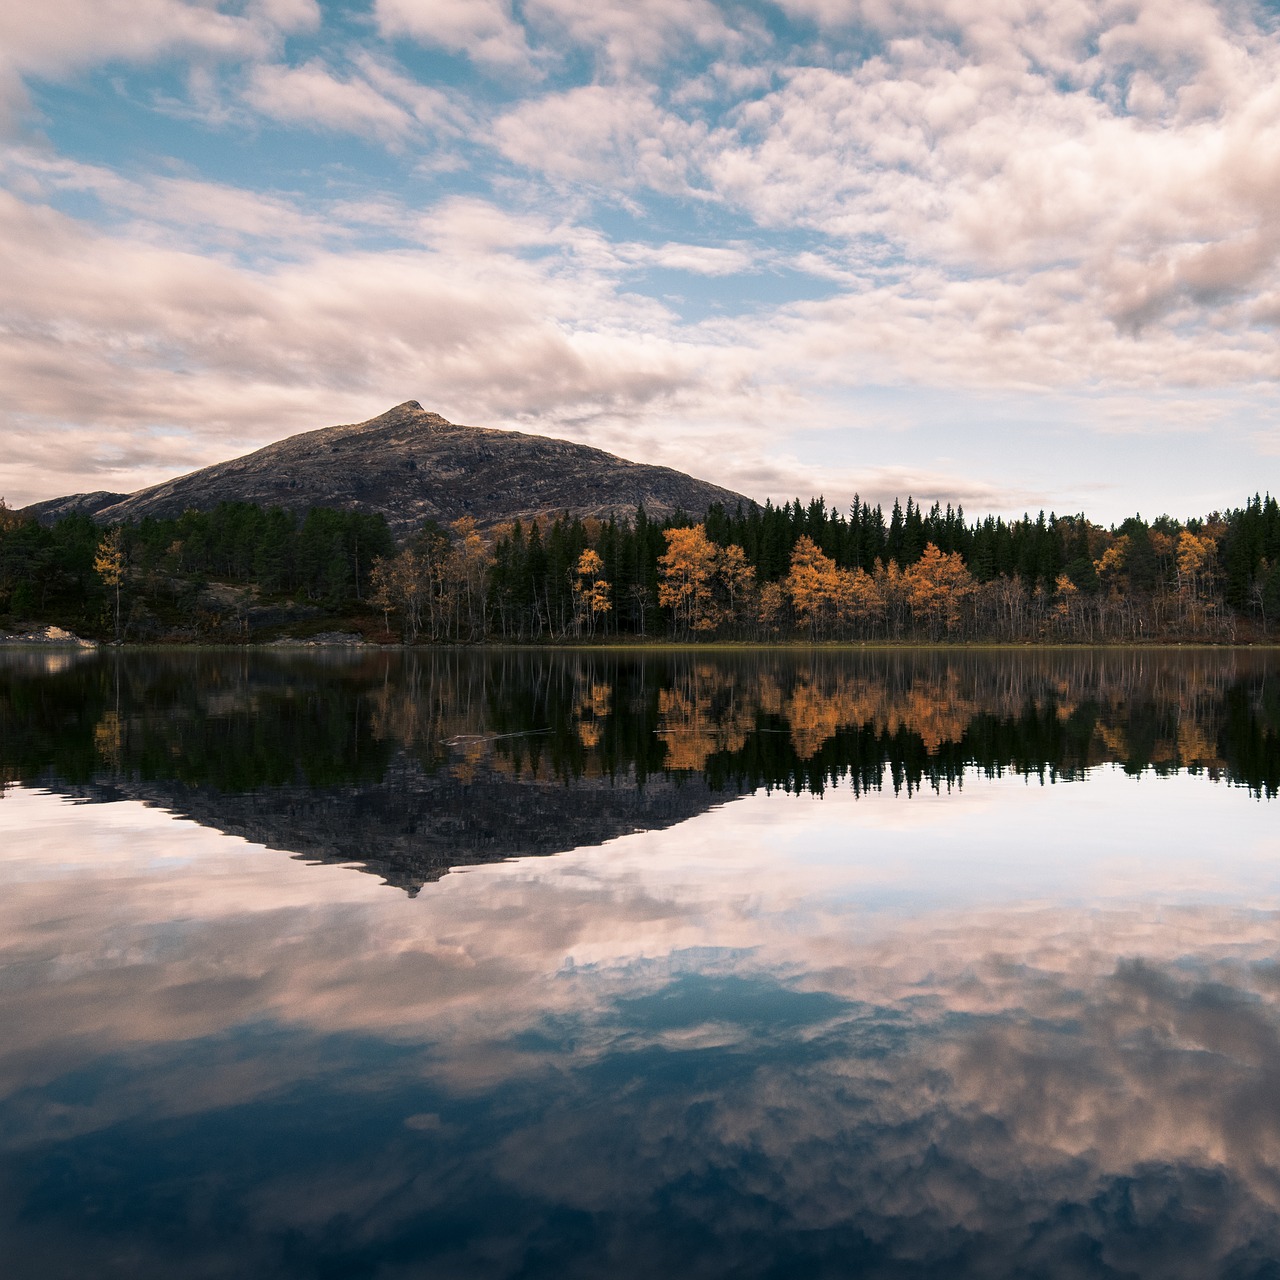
1035	711
764	717
705	713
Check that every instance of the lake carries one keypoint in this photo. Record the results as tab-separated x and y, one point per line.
762	964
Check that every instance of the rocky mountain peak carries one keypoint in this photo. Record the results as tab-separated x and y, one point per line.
413	465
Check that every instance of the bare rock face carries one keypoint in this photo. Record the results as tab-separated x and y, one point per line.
74	504
412	466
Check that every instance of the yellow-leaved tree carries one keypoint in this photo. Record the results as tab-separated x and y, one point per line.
401	584
108	564
467	569
590	591
686	575
937	586
813	585
738	585
860	605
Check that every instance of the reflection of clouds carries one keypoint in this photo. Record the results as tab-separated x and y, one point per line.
741	1029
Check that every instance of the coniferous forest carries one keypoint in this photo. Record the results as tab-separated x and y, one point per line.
241	573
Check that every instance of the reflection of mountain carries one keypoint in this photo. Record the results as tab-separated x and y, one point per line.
412	763
412	826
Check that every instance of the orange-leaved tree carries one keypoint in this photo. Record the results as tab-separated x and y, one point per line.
1110	566
1194	562
813	584
860	603
590	591
467	569
937	585
402	584
737	581
1066	603
686	579
108	564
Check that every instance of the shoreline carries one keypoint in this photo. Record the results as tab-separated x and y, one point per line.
68	642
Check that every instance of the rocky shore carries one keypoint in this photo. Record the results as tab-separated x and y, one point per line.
47	635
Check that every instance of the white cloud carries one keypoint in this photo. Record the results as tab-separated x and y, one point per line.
375	100
697	259
631	33
603	135
110	335
167	207
84	33
1018	197
133	358
482	29
969	161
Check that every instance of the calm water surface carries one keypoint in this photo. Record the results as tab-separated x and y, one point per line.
907	965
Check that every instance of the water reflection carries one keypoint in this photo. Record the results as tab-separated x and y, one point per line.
411	765
1009	1031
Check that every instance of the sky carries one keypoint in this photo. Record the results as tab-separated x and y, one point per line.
1012	254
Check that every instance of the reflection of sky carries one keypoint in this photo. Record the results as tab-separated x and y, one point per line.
1010	1028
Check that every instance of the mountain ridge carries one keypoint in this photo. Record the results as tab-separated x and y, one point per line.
412	465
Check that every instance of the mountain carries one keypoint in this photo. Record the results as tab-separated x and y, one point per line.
411	466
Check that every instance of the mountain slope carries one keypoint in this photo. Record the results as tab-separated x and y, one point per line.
412	465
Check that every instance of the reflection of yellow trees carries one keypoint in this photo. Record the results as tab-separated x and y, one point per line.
396	716
1130	707
708	710
473	753
108	738
591	709
1114	740
703	712
1195	747
816	715
425	714
936	711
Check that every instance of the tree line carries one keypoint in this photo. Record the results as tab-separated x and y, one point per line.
155	578
786	572
811	572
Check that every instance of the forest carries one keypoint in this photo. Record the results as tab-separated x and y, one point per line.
795	572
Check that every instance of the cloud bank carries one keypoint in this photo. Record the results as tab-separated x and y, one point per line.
780	234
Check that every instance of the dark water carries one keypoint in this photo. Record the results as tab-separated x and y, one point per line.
903	965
